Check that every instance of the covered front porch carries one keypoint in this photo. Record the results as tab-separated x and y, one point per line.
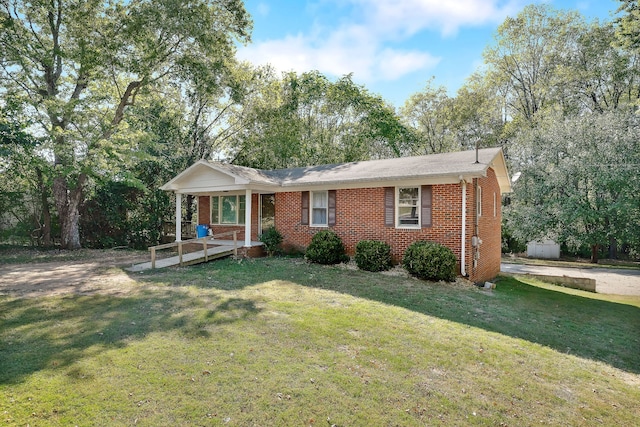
228	199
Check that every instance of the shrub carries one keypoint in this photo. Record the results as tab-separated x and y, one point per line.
373	255
430	261
326	248
271	239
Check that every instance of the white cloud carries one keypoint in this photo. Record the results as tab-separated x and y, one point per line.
365	43
345	51
393	64
447	16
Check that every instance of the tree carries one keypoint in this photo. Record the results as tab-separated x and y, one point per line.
580	180
308	120
431	113
628	25
524	59
441	123
24	195
598	75
76	67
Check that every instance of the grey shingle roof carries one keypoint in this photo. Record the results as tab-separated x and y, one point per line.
435	165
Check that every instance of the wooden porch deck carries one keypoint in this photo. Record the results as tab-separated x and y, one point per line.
212	248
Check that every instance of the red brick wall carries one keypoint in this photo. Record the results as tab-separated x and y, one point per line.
360	216
204	209
489	230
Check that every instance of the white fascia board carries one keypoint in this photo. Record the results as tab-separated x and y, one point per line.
499	165
170	185
229	189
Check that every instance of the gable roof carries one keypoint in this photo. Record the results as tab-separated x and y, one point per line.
446	167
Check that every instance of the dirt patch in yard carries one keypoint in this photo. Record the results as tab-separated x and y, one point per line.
85	272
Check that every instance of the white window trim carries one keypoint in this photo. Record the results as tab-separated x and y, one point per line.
418	209
495	206
326	209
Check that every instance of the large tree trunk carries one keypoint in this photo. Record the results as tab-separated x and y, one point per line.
67	202
594	254
613	248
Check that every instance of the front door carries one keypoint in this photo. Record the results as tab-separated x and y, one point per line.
267	211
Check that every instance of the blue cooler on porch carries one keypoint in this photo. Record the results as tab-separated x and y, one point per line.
202	230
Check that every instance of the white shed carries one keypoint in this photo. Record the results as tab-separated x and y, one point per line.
547	249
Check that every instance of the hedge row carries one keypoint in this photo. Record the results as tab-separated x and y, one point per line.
425	260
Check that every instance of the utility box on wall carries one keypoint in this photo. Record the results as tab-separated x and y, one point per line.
547	249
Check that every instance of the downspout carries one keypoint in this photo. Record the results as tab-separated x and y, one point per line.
463	238
476	226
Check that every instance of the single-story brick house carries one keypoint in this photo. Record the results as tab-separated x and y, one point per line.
451	198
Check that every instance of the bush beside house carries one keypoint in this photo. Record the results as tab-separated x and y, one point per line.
430	261
326	247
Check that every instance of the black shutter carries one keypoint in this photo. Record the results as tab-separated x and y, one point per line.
332	207
389	206
426	206
305	208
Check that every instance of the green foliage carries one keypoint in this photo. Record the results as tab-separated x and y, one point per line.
306	119
430	261
271	238
373	255
628	25
579	181
124	214
326	248
511	244
431	114
76	68
146	221
104	219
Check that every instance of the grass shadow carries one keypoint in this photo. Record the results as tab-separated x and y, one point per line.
572	324
41	333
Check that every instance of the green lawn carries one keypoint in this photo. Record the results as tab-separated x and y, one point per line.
282	342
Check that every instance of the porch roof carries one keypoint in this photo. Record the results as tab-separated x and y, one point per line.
451	167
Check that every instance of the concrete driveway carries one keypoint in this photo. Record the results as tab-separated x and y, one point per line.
608	280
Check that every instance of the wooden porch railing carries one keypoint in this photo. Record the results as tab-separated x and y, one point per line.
203	240
188	229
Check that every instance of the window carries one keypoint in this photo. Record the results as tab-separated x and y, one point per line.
319	205
228	210
408	207
479	202
318	208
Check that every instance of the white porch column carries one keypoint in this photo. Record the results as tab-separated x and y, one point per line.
178	217
247	218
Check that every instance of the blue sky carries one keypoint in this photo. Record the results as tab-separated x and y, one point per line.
392	47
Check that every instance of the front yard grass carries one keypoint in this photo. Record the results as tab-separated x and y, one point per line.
278	341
